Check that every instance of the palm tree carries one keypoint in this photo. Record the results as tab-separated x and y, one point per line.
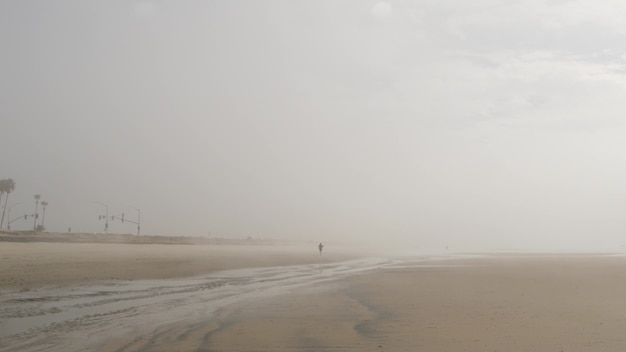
37	198
43	218
6	186
2	187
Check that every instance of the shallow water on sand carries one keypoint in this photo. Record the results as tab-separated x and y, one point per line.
81	317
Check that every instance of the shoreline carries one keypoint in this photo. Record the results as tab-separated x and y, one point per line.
444	303
26	266
483	304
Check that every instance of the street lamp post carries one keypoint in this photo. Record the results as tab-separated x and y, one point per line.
37	198
43	218
106	216
139	219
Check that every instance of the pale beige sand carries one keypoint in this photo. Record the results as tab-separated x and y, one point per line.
524	303
506	304
30	265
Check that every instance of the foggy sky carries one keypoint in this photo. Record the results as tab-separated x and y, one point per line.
486	124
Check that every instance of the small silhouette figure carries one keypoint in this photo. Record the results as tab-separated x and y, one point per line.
321	246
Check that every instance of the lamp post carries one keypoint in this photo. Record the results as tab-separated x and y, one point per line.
44	204
37	198
139	219
106	216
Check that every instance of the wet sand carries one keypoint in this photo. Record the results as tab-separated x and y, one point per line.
27	266
560	303
484	303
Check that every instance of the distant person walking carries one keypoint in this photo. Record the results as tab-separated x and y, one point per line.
321	246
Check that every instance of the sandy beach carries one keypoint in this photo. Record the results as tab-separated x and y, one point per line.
484	303
31	265
537	303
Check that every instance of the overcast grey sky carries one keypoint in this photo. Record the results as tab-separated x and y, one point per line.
476	124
